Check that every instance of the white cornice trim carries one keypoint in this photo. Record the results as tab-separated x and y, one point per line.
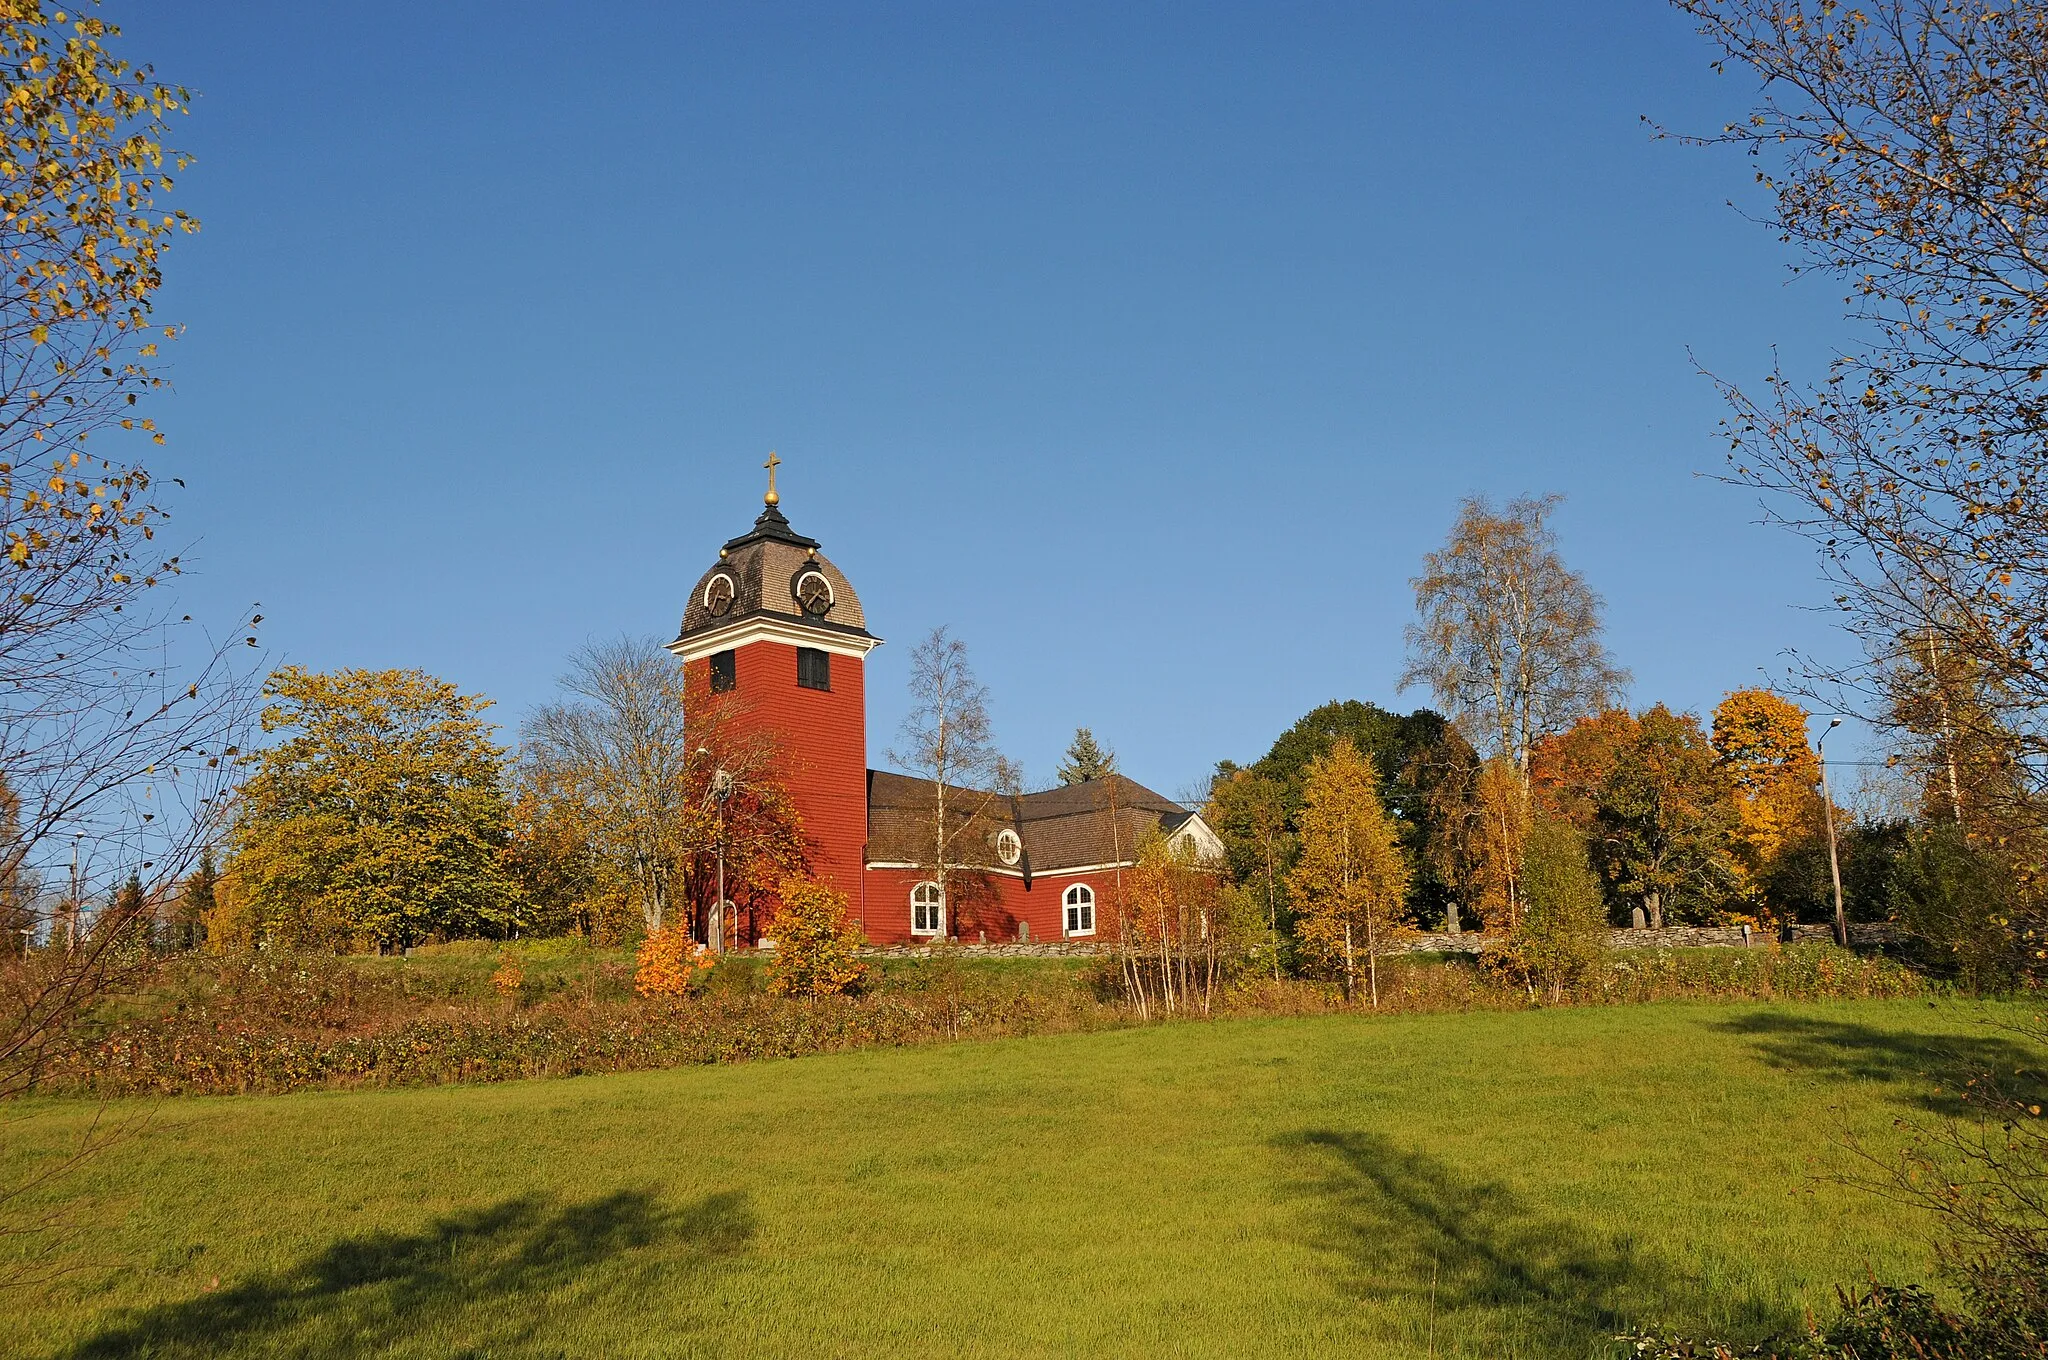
958	868
1010	873
768	628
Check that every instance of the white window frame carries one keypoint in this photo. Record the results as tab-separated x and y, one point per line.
1009	847
935	900
1077	897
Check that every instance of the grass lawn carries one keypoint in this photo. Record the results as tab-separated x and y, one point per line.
1492	1184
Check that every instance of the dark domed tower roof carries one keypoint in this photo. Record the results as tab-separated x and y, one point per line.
773	575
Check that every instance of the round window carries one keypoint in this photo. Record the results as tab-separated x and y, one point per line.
1009	849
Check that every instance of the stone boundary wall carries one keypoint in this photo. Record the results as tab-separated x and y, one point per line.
1471	942
1671	937
1048	949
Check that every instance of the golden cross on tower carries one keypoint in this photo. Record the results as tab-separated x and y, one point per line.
773	462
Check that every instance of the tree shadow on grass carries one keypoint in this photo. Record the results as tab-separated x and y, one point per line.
1469	1269
1930	1070
471	1283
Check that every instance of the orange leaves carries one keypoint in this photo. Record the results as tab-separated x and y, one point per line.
509	977
670	963
1761	738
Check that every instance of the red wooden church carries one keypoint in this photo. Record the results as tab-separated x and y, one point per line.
774	624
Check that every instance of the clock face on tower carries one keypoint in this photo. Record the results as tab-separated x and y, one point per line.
814	593
718	595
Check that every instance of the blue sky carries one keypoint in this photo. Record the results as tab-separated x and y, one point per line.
1149	347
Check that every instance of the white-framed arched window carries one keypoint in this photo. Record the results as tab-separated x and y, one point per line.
1079	903
927	909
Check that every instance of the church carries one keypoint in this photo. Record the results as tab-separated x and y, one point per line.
779	628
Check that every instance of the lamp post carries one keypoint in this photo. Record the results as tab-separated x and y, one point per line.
1834	858
721	791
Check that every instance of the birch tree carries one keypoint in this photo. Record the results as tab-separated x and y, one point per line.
1351	881
1903	147
947	740
120	718
622	763
1507	638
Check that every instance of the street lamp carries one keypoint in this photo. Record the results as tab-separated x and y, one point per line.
721	791
1834	858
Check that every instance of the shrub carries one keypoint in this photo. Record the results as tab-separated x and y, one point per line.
817	950
670	963
509	977
1958	903
1562	934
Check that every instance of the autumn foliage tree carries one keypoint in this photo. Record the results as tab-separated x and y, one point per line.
1350	884
669	963
1760	741
1507	637
378	818
1665	825
616	824
817	944
1484	855
1418	757
1570	770
118	716
1562	930
1181	928
1904	147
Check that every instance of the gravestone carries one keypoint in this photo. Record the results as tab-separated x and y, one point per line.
1636	919
1023	932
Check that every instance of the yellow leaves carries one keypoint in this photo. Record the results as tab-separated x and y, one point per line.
1351	869
817	946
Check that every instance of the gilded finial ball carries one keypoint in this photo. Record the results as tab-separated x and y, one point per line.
772	499
721	554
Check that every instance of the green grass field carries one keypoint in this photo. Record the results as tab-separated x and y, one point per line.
1493	1184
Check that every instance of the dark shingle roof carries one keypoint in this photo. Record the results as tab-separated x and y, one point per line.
1063	828
764	564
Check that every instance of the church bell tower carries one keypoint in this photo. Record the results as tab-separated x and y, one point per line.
777	628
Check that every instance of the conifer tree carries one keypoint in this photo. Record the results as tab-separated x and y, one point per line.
1351	881
196	902
1085	759
129	913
